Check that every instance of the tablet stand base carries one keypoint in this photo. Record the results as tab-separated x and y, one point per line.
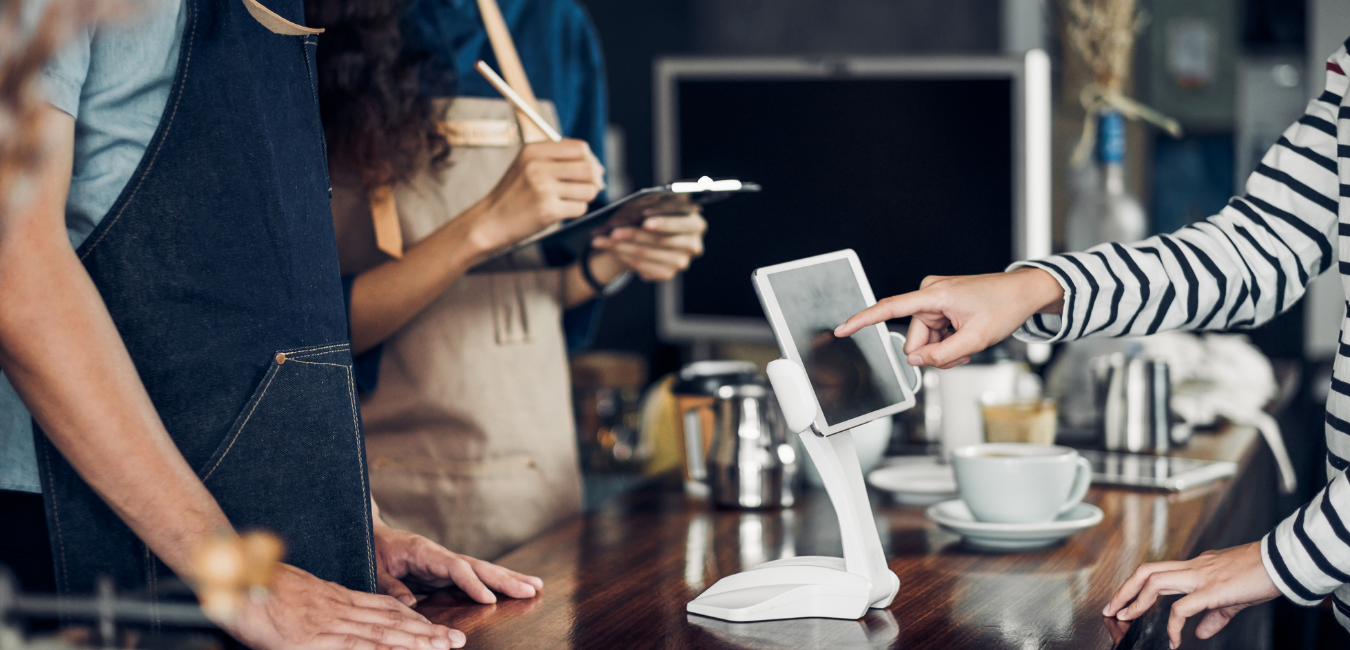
823	587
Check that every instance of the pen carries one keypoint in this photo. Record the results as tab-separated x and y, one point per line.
520	104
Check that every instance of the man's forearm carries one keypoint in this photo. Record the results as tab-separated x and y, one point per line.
62	353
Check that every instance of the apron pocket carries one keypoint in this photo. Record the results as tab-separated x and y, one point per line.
294	463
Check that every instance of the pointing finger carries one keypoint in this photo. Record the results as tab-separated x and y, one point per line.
894	307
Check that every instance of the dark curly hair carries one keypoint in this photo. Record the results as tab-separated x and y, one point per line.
376	114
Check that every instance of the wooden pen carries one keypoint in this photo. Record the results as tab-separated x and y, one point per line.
516	100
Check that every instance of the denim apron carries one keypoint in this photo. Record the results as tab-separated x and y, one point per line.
219	266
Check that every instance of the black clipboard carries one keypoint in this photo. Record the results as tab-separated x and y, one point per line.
564	244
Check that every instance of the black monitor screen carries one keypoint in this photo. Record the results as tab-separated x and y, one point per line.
913	174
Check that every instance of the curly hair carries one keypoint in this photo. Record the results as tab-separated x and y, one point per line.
377	117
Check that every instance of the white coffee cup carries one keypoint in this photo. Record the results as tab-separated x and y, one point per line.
1020	483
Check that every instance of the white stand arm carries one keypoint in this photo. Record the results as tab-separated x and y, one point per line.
823	587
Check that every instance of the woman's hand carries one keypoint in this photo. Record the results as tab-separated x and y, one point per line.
955	317
547	182
304	612
658	251
406	562
1220	582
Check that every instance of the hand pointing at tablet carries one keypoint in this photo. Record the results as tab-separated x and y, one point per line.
957	316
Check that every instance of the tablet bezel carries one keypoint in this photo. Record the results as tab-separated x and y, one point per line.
769	301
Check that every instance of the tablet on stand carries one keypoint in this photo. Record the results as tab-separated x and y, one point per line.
825	387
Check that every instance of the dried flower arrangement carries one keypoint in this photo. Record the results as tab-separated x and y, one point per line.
1103	33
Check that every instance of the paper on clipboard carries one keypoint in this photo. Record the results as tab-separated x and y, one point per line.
564	243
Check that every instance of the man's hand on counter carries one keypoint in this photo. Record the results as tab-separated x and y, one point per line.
1220	582
305	613
406	563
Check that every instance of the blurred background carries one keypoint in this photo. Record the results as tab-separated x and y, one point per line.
1263	61
1233	74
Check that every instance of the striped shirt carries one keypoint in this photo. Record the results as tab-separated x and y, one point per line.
1239	269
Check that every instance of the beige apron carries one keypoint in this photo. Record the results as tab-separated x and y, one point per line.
470	433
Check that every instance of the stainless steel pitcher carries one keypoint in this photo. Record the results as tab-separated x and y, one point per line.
751	464
1134	396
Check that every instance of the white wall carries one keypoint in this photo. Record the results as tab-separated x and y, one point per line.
1024	25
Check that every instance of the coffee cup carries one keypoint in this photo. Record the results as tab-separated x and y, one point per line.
1018	483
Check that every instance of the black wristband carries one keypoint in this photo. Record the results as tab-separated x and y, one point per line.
586	273
602	290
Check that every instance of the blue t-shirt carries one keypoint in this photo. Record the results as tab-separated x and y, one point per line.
115	80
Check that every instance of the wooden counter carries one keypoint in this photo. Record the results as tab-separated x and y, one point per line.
620	577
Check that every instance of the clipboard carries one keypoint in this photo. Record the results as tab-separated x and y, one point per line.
565	243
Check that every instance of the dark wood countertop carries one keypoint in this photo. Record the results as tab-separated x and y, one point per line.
620	577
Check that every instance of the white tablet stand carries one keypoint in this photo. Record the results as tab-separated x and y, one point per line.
812	586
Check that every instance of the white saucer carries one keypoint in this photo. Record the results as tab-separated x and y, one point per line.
920	482
1004	538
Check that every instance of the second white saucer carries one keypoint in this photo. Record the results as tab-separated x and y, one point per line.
918	482
1006	538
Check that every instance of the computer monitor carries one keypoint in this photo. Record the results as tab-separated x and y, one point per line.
923	165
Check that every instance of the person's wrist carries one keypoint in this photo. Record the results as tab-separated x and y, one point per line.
603	272
1042	289
482	232
604	266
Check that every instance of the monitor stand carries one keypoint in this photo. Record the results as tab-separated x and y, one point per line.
812	586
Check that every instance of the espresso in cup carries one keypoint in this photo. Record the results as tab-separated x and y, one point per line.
1018	483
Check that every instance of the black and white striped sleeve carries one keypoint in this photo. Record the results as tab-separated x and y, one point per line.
1237	269
1308	554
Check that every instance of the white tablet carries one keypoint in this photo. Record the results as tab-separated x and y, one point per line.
856	379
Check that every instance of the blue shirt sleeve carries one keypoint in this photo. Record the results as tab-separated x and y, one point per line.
580	323
365	366
585	79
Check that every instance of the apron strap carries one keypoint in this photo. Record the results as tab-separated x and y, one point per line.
275	23
388	232
512	69
383	211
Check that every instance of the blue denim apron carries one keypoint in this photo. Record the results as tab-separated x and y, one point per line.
219	267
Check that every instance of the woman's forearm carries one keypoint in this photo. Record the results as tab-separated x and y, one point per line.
389	295
62	353
605	268
547	182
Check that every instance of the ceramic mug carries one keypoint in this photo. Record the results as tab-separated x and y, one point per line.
1019	483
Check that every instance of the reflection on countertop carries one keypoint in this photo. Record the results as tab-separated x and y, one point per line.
620	577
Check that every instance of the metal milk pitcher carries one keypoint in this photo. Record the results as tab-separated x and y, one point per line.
751	464
1135	400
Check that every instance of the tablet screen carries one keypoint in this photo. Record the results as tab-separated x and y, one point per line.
851	376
